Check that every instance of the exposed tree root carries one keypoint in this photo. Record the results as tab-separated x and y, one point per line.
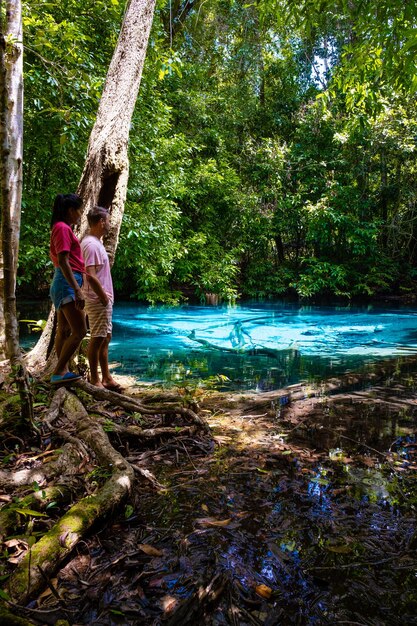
55	407
130	404
147	434
87	445
49	551
68	459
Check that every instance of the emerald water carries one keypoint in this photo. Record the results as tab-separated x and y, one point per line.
259	346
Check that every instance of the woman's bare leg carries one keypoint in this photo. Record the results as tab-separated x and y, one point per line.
62	332
75	319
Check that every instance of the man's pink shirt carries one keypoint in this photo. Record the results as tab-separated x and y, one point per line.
95	254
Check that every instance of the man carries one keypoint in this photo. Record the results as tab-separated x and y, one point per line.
99	306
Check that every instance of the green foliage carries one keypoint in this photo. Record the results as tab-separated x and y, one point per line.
129	510
208	268
66	53
322	277
272	152
371	46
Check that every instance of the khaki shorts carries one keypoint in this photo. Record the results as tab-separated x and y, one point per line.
99	318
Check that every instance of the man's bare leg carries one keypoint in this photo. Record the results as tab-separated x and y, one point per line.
93	355
106	378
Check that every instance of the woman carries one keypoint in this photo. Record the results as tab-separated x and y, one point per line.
65	292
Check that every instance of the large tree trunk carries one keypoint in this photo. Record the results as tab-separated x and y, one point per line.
106	171
11	133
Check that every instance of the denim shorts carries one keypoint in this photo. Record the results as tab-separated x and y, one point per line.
61	292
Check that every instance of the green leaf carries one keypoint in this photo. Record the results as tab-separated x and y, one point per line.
30	512
320	481
129	511
4	596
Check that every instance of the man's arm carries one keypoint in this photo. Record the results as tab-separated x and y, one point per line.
93	281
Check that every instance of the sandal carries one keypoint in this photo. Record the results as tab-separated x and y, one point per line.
116	387
69	377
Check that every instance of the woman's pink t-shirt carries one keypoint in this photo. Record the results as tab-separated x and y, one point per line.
64	240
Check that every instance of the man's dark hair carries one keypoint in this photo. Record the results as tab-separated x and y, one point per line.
95	214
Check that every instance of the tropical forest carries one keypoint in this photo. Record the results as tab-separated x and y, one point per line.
238	446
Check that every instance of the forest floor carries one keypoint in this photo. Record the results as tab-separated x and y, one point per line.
296	507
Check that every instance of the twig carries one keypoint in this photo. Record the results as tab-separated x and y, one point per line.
189	458
50	585
359	443
349	565
149	476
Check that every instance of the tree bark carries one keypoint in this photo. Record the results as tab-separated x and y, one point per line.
11	128
106	170
11	133
3	120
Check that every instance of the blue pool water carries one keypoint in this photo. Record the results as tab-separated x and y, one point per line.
255	346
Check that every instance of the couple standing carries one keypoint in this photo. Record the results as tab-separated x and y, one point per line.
82	280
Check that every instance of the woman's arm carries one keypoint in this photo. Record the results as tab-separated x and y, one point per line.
63	260
95	284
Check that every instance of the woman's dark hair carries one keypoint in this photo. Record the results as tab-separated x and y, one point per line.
63	203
